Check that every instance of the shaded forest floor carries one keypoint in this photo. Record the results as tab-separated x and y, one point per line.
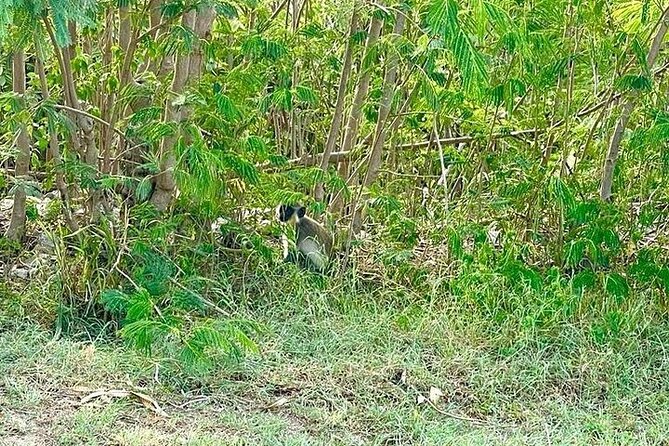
329	376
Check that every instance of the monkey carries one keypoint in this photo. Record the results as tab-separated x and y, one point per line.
314	242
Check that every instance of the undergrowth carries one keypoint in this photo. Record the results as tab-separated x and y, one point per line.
185	293
536	349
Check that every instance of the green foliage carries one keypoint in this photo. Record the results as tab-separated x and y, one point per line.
162	309
60	12
592	235
505	224
259	47
8	249
631	82
442	19
202	341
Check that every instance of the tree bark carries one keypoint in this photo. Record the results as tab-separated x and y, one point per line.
83	140
127	40
628	107
389	86
165	182
107	102
353	123
155	17
54	149
17	225
156	32
375	155
204	21
338	117
200	22
125	26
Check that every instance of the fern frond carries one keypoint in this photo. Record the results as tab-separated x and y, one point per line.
226	9
634	82
256	145
242	167
227	108
306	95
142	333
442	20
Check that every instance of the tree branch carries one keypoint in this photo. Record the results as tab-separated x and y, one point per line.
93	117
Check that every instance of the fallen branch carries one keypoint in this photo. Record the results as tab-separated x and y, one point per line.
334	156
144	399
470	138
93	117
339	156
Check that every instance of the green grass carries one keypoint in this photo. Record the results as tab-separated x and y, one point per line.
331	359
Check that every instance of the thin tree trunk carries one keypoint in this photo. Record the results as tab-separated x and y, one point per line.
389	86
353	123
201	23
125	26
628	107
108	101
338	116
127	40
303	7
293	124
292	120
294	9
69	95
87	146
155	17
72	48
165	182
548	152
337	201
83	144
375	156
442	164
54	149
17	225
570	93
336	204
157	31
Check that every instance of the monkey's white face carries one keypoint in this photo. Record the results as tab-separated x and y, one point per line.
294	219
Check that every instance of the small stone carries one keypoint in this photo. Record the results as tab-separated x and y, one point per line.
21	273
